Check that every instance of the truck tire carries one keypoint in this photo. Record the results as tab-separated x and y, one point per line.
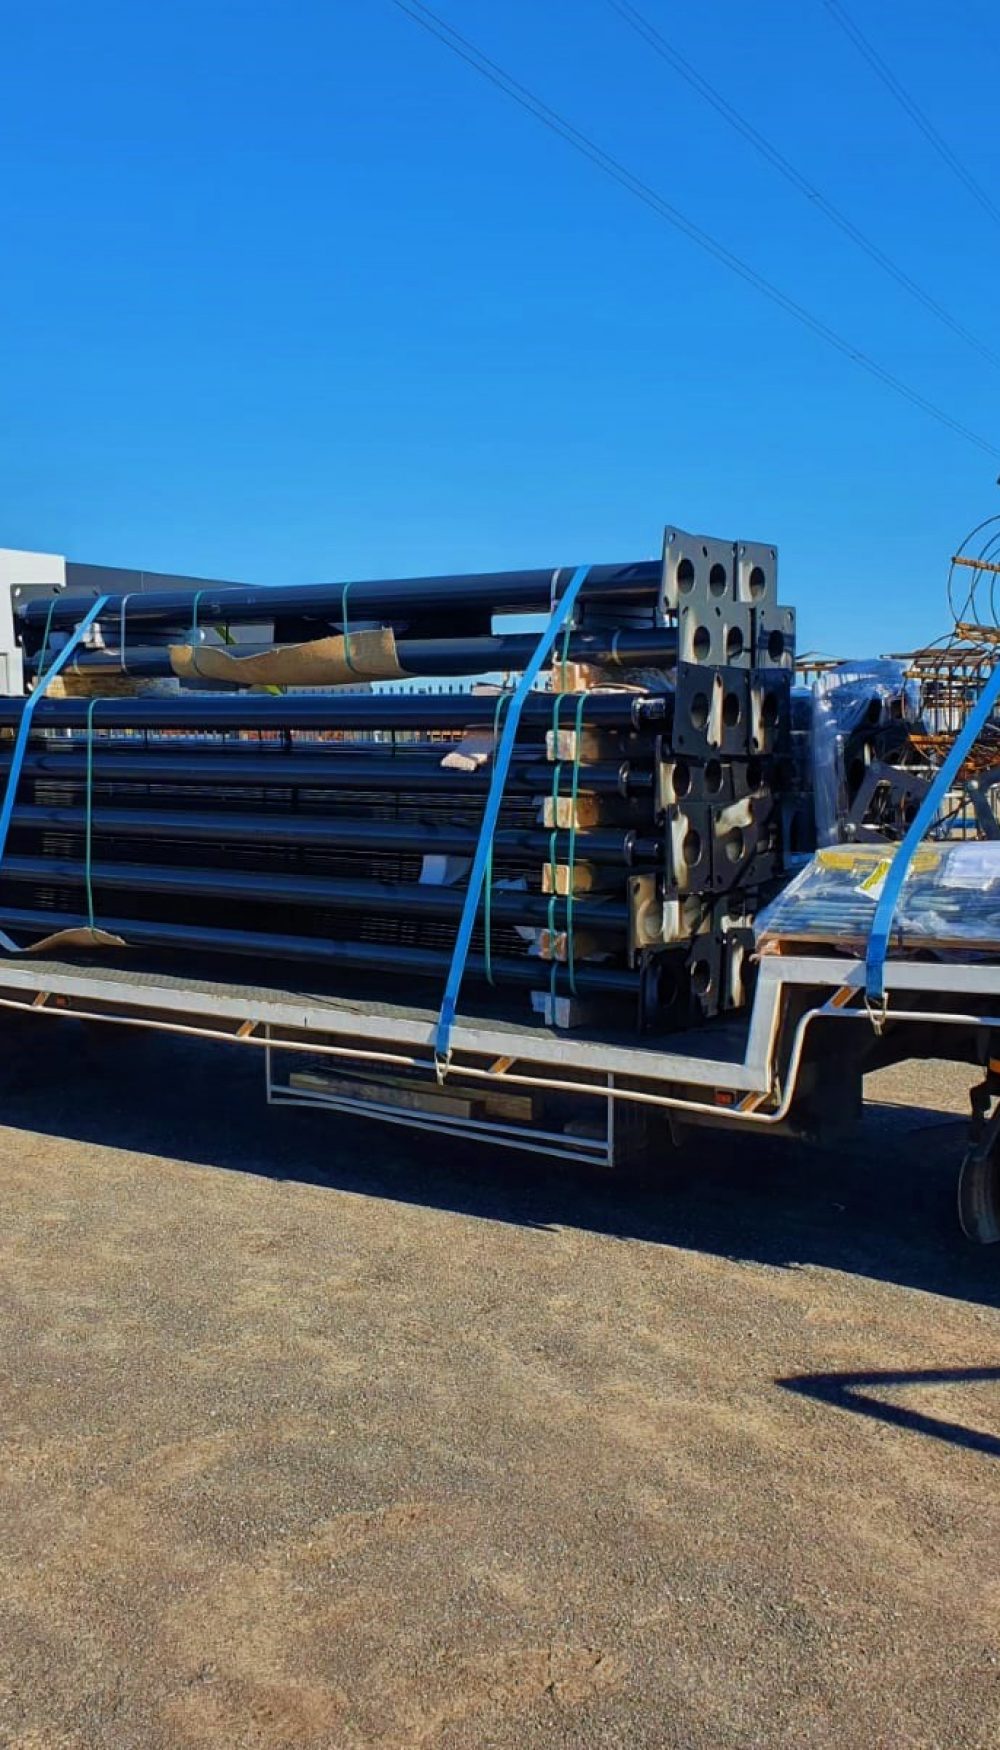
644	1144
979	1196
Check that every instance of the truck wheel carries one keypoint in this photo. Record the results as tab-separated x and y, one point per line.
644	1145
979	1196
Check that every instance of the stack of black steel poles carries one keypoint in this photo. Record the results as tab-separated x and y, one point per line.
640	824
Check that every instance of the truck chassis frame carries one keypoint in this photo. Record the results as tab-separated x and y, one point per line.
755	1083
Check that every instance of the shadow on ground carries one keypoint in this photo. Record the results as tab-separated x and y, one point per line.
881	1206
850	1391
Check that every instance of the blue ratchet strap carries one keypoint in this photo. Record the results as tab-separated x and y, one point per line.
561	611
24	728
878	938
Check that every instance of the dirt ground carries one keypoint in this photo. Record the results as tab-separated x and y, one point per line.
317	1435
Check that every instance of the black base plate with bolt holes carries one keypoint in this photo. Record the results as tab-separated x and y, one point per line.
701	730
705	963
687	857
769	725
716	780
747	852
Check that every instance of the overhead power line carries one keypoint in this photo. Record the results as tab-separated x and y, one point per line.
648	31
611	167
912	108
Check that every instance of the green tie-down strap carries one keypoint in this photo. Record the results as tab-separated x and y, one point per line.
502	702
88	830
571	863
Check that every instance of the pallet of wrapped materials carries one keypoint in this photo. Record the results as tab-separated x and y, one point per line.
949	901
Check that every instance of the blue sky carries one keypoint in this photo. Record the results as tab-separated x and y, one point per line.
290	293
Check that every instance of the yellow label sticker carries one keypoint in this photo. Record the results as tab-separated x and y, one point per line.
874	881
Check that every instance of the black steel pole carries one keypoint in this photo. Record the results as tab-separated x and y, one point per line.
410	598
319	951
410	710
420	755
428	657
613	847
322	892
323	769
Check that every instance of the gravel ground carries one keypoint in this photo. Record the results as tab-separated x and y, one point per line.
317	1435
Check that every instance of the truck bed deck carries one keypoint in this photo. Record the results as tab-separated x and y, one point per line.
211	988
209	995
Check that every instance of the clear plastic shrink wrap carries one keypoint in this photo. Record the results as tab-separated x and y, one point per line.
949	901
845	698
